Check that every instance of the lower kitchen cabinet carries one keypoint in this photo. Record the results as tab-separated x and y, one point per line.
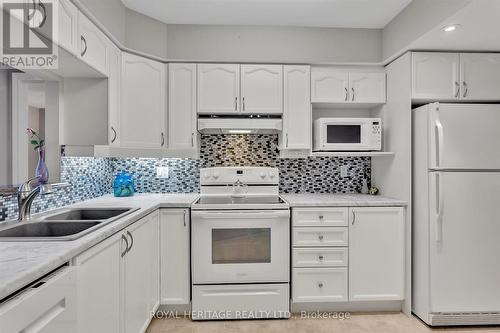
376	254
175	247
319	284
118	280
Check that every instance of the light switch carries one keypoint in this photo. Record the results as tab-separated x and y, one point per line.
162	172
344	171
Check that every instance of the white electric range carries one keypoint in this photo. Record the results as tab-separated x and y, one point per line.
240	245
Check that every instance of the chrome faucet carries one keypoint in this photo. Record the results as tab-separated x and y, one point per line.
26	193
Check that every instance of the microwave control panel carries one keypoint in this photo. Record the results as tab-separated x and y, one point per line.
377	135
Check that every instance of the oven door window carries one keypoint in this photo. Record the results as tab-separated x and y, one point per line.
241	246
343	134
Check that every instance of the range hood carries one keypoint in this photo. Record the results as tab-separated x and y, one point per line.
240	125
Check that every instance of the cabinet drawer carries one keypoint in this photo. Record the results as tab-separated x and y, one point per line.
319	285
320	257
318	236
336	217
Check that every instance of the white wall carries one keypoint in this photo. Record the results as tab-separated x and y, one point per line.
145	34
110	13
5	125
273	44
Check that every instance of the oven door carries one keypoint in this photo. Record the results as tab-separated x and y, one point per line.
240	246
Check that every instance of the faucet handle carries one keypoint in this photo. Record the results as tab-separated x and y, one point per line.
26	186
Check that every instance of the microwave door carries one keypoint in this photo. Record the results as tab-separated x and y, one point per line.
346	137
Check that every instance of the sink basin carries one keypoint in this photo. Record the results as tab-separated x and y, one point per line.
47	230
88	214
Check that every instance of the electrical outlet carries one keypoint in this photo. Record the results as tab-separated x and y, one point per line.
344	171
162	172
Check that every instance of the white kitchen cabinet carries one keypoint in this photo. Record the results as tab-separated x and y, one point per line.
329	86
435	76
138	269
175	248
367	87
320	236
182	117
114	74
319	285
479	76
262	89
143	98
376	254
47	306
99	294
320	217
297	107
218	88
68	37
93	44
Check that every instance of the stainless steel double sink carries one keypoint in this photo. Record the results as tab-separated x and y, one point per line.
67	225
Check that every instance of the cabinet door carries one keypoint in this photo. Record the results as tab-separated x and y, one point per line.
218	88
367	87
68	26
376	254
435	76
93	44
114	73
479	75
329	86
262	89
297	107
142	118
154	254
175	258
99	296
182	106
138	268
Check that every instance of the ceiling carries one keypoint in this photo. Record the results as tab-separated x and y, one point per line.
306	13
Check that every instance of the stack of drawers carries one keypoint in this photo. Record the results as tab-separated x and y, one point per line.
320	240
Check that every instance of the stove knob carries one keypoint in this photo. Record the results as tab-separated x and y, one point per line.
272	174
206	175
216	175
262	175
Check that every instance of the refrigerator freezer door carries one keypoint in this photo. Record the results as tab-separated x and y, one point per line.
464	136
464	241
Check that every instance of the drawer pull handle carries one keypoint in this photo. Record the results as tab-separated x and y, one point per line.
321	217
320	237
321	258
320	284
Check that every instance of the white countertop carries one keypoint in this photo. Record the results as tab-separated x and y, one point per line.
22	263
340	200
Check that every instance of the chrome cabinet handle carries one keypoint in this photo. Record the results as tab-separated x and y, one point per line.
287	140
44	12
243	103
321	257
457	93
185	213
236	104
114	134
353	217
321	217
320	284
192	139
126	245
84	41
346	94
131	240
162	139
466	89
352	89
320	237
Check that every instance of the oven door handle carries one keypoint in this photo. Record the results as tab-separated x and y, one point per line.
245	214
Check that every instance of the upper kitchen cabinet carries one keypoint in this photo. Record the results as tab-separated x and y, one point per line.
143	90
218	88
347	86
93	44
297	108
435	76
114	74
68	26
480	76
262	89
182	120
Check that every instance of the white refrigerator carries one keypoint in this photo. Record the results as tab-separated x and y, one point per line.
456	214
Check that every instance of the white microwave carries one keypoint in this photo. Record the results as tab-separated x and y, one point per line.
347	134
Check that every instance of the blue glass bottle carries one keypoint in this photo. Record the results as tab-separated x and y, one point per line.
123	185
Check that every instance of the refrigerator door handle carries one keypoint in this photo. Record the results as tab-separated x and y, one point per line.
439	140
439	207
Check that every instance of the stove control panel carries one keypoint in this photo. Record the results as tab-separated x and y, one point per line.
247	175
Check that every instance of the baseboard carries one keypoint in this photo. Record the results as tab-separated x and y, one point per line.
372	306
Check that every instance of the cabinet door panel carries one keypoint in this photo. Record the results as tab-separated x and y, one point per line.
93	44
262	89
435	76
142	117
479	75
175	258
376	254
218	88
329	86
297	107
367	87
182	106
319	284
68	26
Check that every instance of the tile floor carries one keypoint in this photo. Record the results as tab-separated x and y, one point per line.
357	323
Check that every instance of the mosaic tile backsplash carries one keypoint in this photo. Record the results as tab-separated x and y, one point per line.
93	177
